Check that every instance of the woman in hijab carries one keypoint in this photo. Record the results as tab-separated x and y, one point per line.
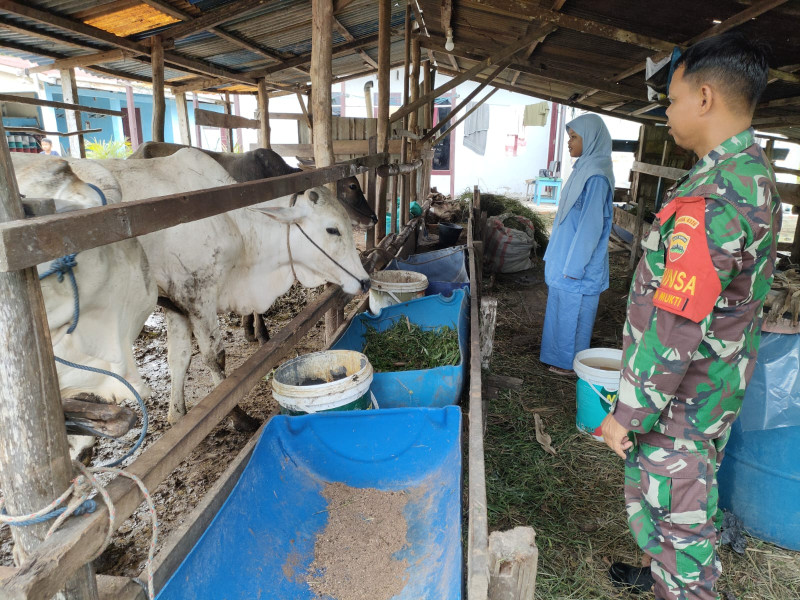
576	261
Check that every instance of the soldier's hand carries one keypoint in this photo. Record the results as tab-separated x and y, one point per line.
615	435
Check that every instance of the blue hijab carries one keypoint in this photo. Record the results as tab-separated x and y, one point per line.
595	160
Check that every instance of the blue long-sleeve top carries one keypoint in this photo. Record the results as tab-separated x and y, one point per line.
577	254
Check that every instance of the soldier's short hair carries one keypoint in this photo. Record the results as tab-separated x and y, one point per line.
736	63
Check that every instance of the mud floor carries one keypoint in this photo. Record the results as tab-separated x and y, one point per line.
184	488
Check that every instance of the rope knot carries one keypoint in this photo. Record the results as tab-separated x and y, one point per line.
64	265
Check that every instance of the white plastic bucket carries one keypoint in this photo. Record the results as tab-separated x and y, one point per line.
395	287
324	381
598	371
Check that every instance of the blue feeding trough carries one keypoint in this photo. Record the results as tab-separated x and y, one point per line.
437	387
261	543
445	269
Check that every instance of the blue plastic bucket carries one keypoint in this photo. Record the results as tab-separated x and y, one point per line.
598	385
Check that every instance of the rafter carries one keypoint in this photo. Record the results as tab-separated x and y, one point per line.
215	16
81	28
84	61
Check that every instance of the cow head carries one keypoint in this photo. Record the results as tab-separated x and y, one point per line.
50	177
349	193
321	241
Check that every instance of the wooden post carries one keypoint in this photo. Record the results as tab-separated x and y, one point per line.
159	104
513	561
237	112
228	130
384	60
795	255
431	86
637	233
413	117
198	132
404	201
133	123
425	120
69	89
393	204
371	200
263	113
183	119
35	467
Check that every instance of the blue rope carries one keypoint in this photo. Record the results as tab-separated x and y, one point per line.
87	506
63	266
100	192
145	419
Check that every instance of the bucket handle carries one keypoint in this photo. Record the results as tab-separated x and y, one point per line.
596	391
396	299
374	401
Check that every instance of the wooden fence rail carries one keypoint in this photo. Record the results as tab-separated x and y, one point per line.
26	243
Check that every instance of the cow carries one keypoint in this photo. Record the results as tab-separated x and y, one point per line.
263	164
116	293
240	261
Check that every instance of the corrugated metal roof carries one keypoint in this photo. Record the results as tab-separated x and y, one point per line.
132	20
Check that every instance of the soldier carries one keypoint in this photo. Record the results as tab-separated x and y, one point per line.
694	320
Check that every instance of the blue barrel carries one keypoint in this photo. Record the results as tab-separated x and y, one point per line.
759	481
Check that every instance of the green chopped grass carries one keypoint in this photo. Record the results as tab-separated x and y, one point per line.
408	347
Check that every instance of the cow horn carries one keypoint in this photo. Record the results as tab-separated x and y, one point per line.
313	196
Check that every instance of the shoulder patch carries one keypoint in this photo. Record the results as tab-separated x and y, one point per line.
690	285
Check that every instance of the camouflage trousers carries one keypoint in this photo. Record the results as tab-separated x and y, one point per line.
671	499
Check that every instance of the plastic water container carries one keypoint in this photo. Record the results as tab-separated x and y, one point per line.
323	381
395	287
449	234
598	385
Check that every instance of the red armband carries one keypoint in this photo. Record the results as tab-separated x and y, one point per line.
690	285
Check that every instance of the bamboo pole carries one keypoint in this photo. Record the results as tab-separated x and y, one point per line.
69	89
35	467
263	113
384	58
159	103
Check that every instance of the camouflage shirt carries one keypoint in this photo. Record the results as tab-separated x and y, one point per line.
695	305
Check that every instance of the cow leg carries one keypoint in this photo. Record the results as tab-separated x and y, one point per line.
261	331
179	355
213	353
249	326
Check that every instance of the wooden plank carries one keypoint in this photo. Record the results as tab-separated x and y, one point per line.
108	586
340	148
670	173
184	130
35	466
69	90
494	59
26	243
58	133
477	584
84	61
58	556
513	561
306	116
263	114
159	102
488	321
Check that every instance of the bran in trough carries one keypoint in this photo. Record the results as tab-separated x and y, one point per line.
354	554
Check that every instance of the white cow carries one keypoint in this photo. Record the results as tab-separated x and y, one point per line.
116	291
240	261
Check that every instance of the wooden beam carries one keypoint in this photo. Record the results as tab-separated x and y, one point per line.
455	110
73	544
32	241
215	16
183	120
384	59
53	104
463	117
492	60
263	114
303	108
35	466
159	101
84	61
670	173
321	76
532	47
780	102
340	148
57	133
69	90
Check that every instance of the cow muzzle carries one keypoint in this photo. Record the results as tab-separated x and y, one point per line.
365	284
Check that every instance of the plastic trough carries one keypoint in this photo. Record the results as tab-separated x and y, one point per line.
261	542
445	269
437	387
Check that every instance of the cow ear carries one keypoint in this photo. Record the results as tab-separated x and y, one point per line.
312	196
287	215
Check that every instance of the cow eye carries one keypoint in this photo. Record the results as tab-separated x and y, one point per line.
333	231
352	186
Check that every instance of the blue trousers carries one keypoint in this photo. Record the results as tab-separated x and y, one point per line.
568	324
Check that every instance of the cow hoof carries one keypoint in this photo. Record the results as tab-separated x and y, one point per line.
249	336
242	422
263	339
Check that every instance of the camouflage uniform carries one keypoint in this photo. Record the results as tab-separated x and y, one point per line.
690	343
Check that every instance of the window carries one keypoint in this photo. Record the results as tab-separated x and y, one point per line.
441	151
